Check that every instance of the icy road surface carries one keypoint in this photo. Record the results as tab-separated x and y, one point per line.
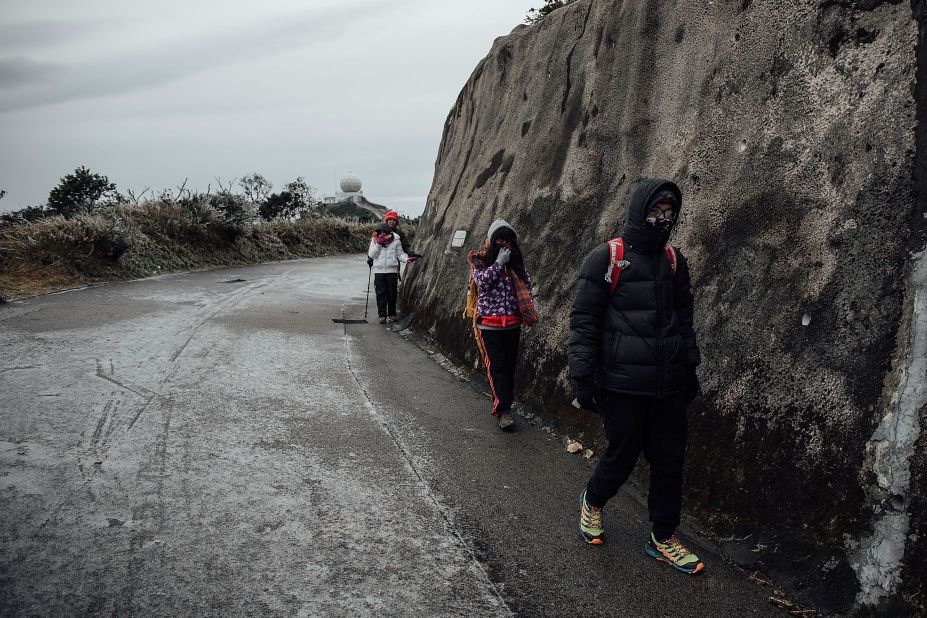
213	444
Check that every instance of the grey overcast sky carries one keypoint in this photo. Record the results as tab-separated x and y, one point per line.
151	93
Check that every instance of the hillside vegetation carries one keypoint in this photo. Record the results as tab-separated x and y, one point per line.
89	232
127	241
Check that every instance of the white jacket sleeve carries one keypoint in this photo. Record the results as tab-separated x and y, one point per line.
374	250
403	257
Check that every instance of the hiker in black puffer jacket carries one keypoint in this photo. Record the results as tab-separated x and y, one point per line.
632	357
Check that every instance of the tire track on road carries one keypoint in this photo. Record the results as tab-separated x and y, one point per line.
154	508
111	417
214	310
19	368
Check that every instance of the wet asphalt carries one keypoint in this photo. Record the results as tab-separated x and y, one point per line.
213	444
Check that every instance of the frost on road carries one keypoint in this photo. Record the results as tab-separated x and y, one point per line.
196	444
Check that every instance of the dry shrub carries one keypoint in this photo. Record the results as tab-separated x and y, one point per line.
189	220
127	241
56	240
319	236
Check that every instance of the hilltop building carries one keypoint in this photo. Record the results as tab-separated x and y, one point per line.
350	203
350	190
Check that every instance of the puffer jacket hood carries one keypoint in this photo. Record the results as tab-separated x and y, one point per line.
648	192
497	225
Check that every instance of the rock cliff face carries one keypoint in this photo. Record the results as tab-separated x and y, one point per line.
795	130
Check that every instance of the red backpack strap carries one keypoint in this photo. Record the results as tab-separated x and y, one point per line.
615	262
671	255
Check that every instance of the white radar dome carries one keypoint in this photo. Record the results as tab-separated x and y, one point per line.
350	183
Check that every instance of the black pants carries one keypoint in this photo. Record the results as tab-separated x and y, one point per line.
501	357
658	428
387	288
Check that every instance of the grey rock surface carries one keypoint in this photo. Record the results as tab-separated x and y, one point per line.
795	132
213	444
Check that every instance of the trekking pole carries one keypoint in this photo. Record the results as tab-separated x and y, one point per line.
367	301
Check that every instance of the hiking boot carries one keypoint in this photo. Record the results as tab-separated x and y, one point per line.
383	320
505	420
590	522
673	552
393	318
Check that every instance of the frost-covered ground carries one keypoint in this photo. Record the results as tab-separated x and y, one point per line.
212	443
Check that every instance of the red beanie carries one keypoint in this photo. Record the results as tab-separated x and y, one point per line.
391	214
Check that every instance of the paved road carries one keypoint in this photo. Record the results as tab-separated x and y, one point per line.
213	444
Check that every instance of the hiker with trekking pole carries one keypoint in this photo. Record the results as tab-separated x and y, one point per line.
499	304
632	356
391	218
386	253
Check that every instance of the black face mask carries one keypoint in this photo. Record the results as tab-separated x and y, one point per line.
650	234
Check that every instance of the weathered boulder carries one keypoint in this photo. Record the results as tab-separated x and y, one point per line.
795	130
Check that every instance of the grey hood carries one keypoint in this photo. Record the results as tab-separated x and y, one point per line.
497	225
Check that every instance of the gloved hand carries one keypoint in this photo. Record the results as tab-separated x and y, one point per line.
411	259
584	391
504	256
370	262
381	239
693	388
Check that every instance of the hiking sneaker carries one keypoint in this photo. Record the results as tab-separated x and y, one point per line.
505	420
673	552
590	522
393	318
383	320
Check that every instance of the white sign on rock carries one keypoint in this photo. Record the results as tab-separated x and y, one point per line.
459	237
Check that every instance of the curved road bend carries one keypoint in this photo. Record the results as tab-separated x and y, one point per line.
213	444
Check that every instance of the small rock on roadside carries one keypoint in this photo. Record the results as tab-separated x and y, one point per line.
574	447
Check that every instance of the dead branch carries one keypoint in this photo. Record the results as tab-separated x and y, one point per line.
137	198
222	188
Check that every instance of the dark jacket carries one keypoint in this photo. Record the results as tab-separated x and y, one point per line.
403	241
639	339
